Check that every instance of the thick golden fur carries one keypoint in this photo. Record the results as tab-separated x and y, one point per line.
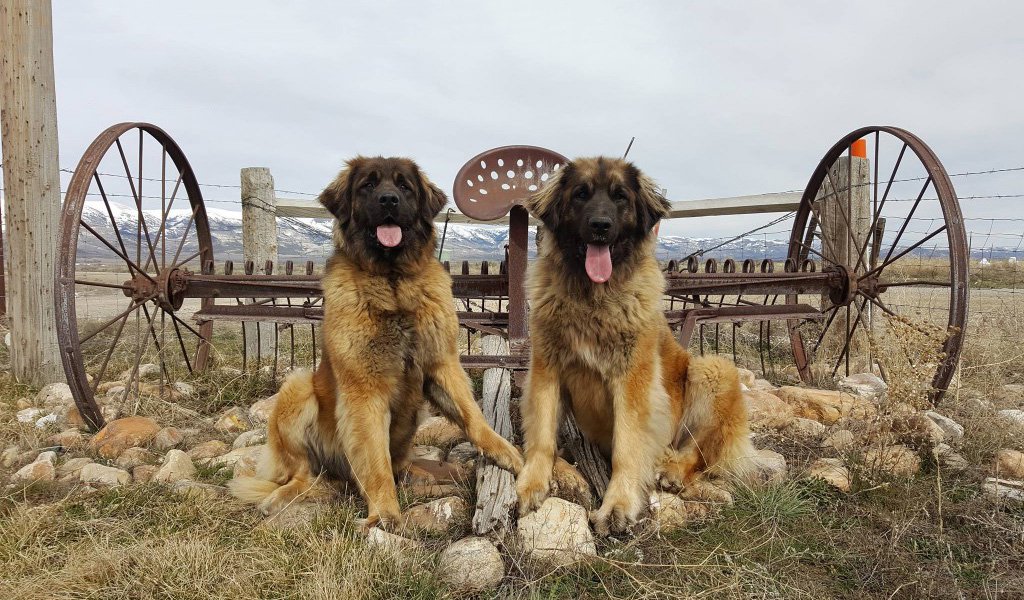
606	352
389	344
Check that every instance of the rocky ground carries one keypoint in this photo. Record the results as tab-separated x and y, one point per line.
825	457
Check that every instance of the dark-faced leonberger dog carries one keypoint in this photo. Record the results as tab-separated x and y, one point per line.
389	344
600	341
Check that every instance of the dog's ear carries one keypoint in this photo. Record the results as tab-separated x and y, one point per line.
544	203
337	196
433	198
651	203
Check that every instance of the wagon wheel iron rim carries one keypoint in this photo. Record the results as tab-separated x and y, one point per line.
148	309
905	183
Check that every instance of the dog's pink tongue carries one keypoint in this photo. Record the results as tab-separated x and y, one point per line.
599	263
389	235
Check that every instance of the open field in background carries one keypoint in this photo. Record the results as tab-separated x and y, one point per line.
935	535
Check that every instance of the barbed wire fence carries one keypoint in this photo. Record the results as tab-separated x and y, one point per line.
996	248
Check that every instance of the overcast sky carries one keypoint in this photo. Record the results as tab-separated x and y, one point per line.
723	98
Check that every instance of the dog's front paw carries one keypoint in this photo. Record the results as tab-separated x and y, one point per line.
504	454
616	515
532	488
387	521
675	472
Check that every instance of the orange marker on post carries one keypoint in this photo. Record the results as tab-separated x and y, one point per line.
859	148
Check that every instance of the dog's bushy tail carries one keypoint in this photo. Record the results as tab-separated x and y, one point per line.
283	438
716	418
251	489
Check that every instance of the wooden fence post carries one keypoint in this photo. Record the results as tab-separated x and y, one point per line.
846	224
495	487
32	187
259	244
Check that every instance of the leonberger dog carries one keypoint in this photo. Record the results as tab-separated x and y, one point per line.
601	347
389	346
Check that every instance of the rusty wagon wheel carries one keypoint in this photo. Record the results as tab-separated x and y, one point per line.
881	211
132	218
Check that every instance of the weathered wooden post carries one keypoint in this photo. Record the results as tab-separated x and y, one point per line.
32	187
845	209
259	245
495	487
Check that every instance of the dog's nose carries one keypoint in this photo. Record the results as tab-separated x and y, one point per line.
388	200
600	224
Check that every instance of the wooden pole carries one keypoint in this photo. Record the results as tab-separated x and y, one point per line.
259	244
845	208
495	487
32	186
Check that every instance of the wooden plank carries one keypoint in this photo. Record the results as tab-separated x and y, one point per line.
32	182
738	205
585	455
259	244
495	487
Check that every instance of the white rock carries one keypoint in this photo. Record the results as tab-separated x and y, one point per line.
29	415
72	466
807	430
557	532
949	459
133	457
471	565
167	438
261	410
832	471
41	469
234	419
232	457
841	440
672	512
176	467
1012	415
206	450
896	460
463	453
952	431
771	465
436	516
253	437
247	465
1004	488
865	385
185	389
1010	464
149	371
50	419
55	395
428	453
395	545
96	473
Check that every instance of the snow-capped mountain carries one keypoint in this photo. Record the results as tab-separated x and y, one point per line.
310	239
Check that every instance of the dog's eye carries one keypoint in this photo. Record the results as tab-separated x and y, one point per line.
403	186
581	194
620	195
368	185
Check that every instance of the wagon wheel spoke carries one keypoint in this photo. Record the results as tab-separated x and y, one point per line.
134	305
113	344
851	330
137	194
101	284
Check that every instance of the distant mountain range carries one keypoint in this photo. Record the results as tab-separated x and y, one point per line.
310	239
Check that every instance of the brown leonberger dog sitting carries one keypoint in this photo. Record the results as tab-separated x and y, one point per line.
389	344
600	341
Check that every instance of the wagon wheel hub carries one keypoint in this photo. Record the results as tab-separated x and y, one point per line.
844	285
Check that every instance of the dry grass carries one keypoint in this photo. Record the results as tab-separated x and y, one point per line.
935	535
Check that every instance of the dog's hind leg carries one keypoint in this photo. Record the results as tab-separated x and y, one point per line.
714	434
